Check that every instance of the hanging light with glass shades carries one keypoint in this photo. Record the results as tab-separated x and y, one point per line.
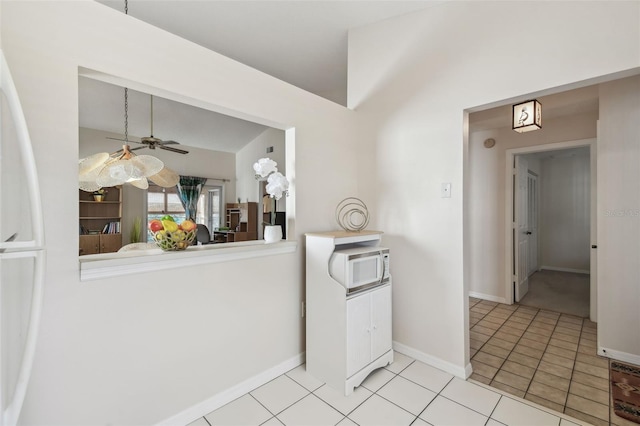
527	116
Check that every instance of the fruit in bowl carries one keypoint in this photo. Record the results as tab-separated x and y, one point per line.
170	236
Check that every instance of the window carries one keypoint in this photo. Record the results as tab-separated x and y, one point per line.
163	201
210	207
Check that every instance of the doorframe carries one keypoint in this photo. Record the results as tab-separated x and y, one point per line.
510	154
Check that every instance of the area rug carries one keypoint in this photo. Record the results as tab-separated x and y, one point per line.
625	390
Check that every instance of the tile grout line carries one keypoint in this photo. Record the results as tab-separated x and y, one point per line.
494	333
573	369
540	361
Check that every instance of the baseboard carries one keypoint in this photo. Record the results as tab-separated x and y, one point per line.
619	356
577	271
218	400
462	372
488	297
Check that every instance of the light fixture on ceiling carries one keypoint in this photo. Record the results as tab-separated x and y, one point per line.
123	166
527	116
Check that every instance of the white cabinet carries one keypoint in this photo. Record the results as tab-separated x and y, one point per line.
348	336
368	328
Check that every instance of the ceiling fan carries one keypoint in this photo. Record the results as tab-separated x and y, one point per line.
152	142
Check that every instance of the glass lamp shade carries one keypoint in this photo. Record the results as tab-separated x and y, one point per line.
527	116
116	173
89	186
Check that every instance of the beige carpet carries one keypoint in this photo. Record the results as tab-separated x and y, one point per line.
564	292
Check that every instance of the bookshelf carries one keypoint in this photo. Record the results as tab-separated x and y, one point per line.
100	221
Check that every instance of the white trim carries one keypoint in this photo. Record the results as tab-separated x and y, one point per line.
226	396
619	356
456	370
577	271
99	266
488	297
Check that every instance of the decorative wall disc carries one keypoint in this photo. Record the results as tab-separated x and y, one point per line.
352	214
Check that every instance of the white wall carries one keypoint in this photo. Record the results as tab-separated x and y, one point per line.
410	80
249	154
565	204
618	202
141	348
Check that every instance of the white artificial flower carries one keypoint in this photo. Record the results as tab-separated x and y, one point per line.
264	167
277	185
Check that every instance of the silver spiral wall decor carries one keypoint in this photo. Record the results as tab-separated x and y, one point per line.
352	214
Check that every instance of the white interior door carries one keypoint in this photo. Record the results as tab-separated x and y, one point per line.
532	221
521	228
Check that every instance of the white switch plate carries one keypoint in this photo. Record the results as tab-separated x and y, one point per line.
446	190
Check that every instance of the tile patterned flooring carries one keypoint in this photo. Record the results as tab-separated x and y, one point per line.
542	356
407	392
529	366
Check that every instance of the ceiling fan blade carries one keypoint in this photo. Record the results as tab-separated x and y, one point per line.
169	143
168	148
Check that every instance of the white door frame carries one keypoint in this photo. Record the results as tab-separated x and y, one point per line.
510	154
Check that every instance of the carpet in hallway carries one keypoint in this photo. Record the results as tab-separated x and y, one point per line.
564	292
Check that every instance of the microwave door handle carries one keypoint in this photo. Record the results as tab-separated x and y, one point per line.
383	269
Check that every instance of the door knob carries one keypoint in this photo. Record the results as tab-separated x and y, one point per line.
528	232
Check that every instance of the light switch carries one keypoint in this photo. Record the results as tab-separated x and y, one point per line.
446	190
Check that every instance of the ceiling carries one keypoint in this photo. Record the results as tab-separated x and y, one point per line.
101	107
302	42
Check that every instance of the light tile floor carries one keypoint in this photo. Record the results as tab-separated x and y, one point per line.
407	392
542	356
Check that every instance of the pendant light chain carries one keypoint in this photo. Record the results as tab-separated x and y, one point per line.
126	92
126	115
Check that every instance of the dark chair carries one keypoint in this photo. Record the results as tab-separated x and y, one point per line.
202	234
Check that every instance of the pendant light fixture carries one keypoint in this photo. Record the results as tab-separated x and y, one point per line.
103	169
527	116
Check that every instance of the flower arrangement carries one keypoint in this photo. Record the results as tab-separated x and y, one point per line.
277	183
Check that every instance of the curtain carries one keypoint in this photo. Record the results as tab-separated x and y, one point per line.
189	188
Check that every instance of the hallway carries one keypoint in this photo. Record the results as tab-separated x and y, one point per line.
543	356
564	292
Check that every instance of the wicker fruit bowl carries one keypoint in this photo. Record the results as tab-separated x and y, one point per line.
170	236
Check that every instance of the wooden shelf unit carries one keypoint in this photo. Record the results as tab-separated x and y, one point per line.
242	221
94	216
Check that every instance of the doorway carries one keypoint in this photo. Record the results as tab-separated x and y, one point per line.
552	226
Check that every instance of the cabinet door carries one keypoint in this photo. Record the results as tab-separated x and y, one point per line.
110	243
381	340
89	244
358	333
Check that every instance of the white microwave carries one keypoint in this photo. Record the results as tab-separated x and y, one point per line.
359	268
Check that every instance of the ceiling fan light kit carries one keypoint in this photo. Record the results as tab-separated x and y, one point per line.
123	166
